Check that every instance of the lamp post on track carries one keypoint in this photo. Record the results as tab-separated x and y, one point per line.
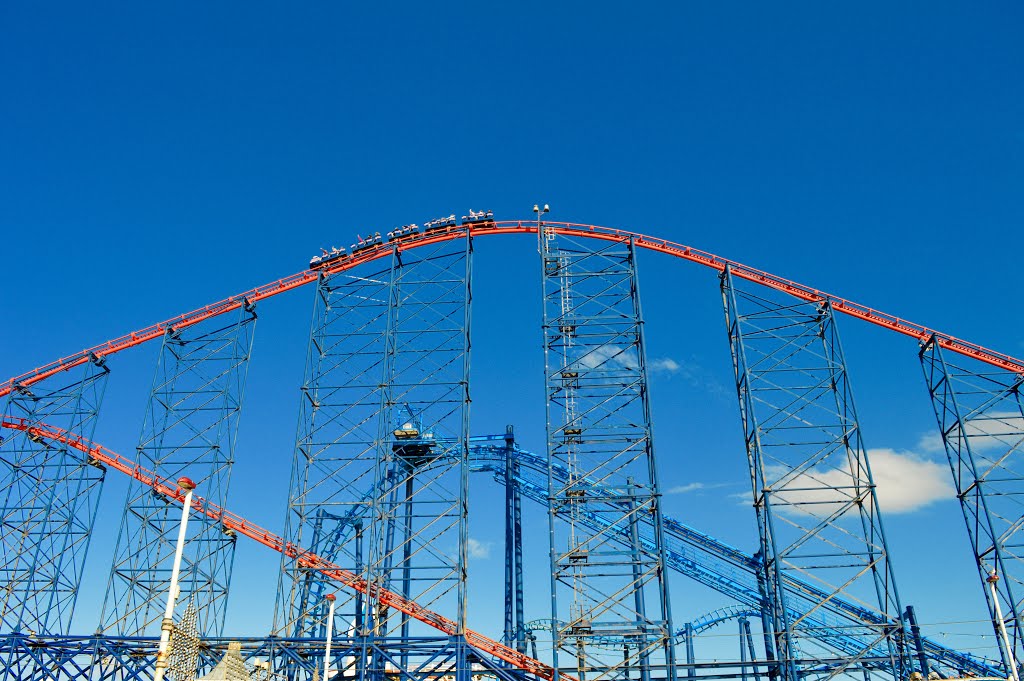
330	632
540	233
1010	658
167	626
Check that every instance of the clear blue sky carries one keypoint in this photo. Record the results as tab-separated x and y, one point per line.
157	158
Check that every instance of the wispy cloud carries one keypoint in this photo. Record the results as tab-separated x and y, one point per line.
995	430
904	482
609	356
694	487
692	372
664	364
479	549
683	489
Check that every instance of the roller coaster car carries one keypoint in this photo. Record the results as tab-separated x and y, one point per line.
403	231
368	242
478	218
581	628
318	261
440	223
410	447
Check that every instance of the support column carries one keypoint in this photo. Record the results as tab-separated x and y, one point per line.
49	498
980	414
190	428
813	493
603	582
383	441
333	485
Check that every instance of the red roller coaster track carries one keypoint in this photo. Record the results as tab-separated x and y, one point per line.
887	321
99	454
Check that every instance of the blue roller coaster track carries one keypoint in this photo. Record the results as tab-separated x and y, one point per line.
698	556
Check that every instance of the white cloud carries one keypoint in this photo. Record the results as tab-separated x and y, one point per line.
607	356
479	549
683	489
996	430
666	364
904	482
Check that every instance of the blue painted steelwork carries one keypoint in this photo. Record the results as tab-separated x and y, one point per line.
118	658
814	497
980	415
50	495
835	622
747	651
721	567
716	617
190	428
598	428
709	562
515	622
333	470
383	442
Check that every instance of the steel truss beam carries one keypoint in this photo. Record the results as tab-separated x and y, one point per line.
815	501
383	428
190	429
980	414
102	658
598	429
50	494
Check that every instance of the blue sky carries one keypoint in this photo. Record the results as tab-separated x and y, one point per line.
155	159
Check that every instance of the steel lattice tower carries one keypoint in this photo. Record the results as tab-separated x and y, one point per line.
813	493
605	584
980	414
333	471
50	495
190	429
380	474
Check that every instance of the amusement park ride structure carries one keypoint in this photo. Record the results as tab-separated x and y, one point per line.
381	472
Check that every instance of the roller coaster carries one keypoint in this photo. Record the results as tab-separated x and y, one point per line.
381	474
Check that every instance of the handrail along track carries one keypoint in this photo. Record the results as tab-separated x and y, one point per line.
847	307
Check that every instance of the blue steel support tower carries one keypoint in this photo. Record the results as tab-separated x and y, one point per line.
599	429
515	622
383	445
50	493
980	415
813	493
190	429
333	470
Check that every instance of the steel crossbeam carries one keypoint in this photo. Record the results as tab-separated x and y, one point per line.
815	501
190	428
980	414
50	495
598	428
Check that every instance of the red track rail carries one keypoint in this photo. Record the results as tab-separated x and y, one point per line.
101	455
882	319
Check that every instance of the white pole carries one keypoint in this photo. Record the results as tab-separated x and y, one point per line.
330	633
1011	659
172	595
